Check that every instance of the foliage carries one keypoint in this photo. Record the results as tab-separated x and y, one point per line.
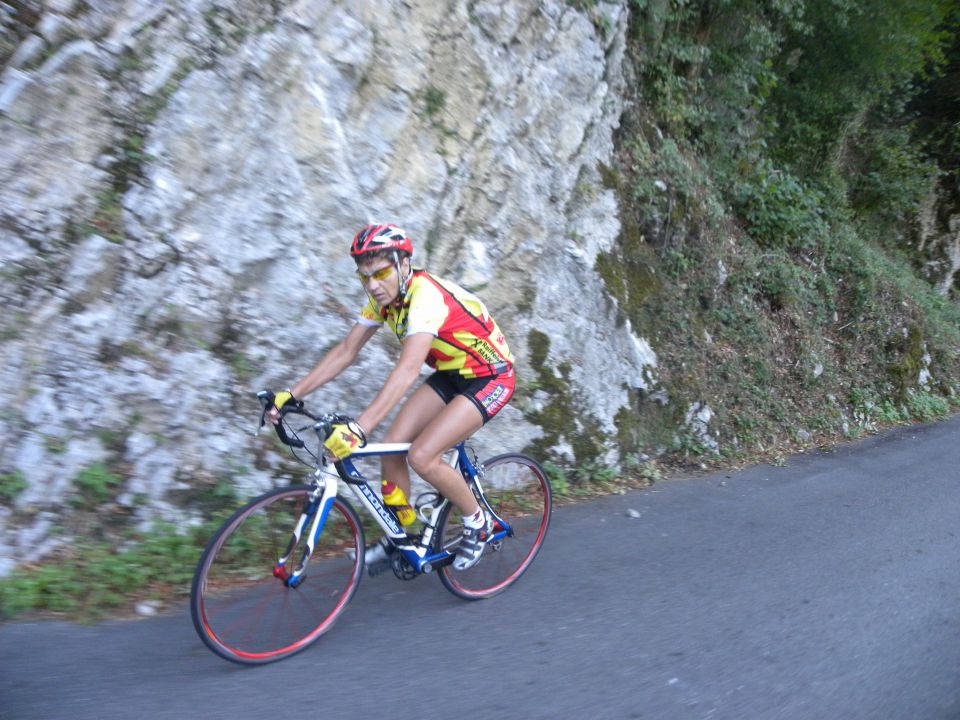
769	170
11	485
784	96
890	174
96	484
557	476
434	101
707	67
779	210
851	58
925	407
594	471
936	107
89	578
920	406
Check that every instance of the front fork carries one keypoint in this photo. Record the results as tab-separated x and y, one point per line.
315	514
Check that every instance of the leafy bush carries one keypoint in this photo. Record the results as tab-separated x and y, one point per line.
892	174
779	210
97	484
558	477
11	485
926	407
594	471
91	578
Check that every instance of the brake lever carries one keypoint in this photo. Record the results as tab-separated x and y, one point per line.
266	399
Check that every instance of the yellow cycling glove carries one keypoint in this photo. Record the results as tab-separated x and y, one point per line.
342	441
282	398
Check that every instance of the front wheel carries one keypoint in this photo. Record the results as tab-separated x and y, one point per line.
518	491
242	606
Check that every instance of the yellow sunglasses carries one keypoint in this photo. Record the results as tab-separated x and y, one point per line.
378	275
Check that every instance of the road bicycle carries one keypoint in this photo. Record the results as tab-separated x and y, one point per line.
280	571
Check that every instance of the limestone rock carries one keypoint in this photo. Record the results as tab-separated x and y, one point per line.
180	181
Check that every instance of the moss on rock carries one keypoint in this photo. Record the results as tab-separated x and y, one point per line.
562	414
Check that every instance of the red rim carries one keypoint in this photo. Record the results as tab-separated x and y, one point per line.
303	642
451	576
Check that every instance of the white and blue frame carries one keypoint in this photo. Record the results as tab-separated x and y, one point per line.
416	550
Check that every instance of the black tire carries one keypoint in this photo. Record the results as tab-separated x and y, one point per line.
246	614
518	490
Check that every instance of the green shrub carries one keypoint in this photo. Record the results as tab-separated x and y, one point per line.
893	174
593	471
94	577
925	407
888	412
11	485
779	210
558	478
97	484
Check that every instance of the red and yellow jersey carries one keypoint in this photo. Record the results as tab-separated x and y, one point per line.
465	338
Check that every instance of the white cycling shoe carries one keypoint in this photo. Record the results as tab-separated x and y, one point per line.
472	543
375	553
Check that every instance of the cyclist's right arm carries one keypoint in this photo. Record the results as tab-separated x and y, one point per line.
337	359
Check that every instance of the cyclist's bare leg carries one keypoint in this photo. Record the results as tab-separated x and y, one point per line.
455	422
420	408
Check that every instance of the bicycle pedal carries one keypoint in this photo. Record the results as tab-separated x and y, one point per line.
377	568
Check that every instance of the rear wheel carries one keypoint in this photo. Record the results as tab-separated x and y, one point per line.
243	609
518	491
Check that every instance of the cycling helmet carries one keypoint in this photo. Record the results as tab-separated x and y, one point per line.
380	237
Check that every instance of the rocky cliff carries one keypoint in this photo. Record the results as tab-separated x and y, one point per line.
180	182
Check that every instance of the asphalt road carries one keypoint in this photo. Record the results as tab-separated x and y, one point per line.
825	589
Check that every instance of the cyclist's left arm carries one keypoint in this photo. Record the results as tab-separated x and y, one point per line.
404	374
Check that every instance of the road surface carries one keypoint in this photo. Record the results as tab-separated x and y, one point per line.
828	588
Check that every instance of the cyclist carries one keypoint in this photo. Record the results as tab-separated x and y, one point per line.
447	327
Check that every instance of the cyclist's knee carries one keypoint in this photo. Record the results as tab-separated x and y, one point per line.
421	459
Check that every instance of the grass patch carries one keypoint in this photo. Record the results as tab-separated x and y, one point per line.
88	580
593	480
434	101
11	485
96	485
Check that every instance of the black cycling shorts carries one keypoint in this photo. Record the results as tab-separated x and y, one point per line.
489	394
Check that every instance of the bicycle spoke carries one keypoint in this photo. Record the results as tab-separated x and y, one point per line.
518	491
246	614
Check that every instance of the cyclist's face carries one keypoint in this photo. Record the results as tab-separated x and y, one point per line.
380	279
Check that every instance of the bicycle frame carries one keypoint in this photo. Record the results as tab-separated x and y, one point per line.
416	550
252	606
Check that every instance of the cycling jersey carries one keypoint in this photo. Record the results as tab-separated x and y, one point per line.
466	340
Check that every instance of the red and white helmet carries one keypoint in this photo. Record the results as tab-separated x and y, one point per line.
380	237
